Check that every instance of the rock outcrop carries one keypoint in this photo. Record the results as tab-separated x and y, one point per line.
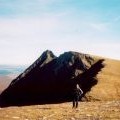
50	79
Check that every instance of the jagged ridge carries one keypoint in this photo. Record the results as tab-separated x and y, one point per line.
48	78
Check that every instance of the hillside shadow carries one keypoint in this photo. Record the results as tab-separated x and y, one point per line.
58	90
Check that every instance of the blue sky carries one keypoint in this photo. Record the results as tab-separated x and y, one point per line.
28	27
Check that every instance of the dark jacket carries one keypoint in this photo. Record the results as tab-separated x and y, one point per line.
77	92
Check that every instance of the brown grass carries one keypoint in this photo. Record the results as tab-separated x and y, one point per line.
4	82
108	87
64	111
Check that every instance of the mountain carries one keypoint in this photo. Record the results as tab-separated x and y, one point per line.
51	79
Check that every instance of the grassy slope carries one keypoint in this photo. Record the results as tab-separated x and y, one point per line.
4	82
108	87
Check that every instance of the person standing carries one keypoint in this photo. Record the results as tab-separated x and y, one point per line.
77	93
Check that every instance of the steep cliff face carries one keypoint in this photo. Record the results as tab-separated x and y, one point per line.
48	79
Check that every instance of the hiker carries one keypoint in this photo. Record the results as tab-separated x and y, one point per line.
77	93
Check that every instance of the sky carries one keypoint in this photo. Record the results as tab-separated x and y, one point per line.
29	27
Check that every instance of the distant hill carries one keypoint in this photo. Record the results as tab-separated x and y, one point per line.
51	79
8	73
11	69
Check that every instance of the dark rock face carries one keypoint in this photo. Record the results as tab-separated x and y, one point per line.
49	79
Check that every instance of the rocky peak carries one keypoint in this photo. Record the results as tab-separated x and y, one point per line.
78	61
46	57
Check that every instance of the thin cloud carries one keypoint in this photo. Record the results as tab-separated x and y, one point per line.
99	26
27	27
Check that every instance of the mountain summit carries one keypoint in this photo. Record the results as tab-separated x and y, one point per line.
50	79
